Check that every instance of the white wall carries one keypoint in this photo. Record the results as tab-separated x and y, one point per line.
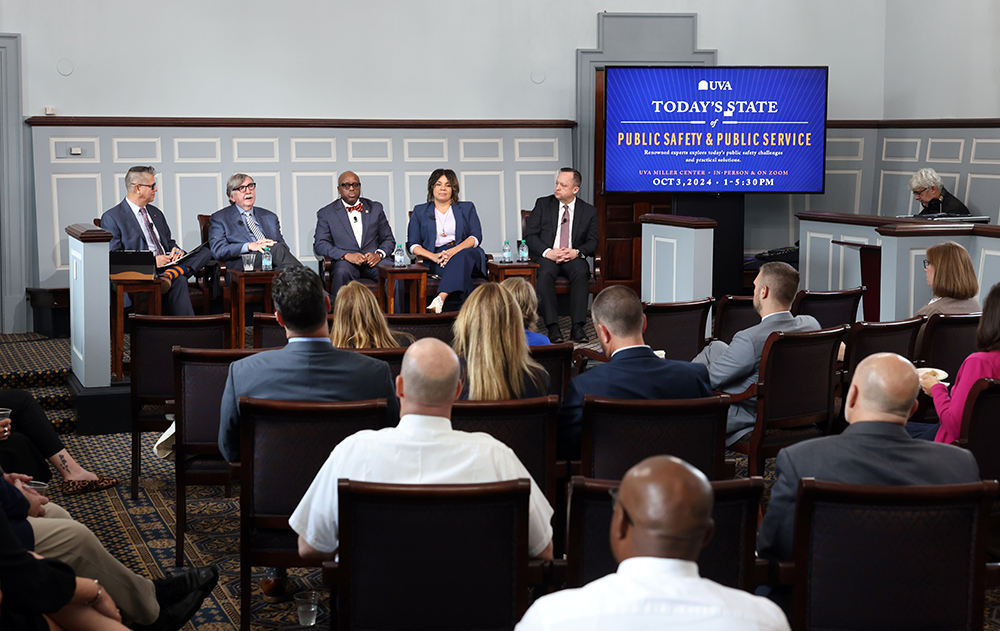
398	58
942	59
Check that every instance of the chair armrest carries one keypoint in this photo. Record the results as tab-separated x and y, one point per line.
582	356
750	392
992	576
234	470
557	573
538	571
170	406
761	570
728	469
782	573
331	570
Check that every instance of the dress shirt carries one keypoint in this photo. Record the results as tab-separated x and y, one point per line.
142	226
572	213
775	313
625	348
354	217
653	593
420	450
246	214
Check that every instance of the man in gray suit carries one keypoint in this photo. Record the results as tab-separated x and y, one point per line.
874	449
733	367
309	368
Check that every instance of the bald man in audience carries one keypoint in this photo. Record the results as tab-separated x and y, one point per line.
633	371
661	521
422	449
733	367
874	449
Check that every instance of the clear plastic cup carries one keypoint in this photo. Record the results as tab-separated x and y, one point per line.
39	487
248	260
308	605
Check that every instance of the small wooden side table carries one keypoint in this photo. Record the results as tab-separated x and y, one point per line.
498	272
122	287
414	275
239	281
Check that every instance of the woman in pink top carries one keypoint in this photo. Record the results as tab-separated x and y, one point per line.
986	363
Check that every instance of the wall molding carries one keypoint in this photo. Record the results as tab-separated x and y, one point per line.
916	123
321	123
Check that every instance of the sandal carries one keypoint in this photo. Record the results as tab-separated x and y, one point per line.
75	487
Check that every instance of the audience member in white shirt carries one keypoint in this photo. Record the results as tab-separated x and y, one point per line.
662	519
422	449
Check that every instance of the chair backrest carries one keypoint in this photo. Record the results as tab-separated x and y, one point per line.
557	360
798	379
203	223
391	356
424	324
867	338
527	426
619	433
980	431
152	342
830	308
97	221
445	556
947	340
732	315
267	333
199	381
890	557
283	444
678	328
524	221
729	559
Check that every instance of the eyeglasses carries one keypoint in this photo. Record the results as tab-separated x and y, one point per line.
350	185
246	187
926	263
152	186
919	193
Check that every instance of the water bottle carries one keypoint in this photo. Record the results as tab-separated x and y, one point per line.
522	252
399	256
266	259
505	254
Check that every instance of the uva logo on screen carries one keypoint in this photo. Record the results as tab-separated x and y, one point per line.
714	85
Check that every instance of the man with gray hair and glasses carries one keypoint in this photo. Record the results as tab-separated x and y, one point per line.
930	192
135	224
243	228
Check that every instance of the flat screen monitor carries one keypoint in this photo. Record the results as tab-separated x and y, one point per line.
715	129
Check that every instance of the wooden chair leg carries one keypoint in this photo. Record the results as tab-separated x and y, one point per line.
136	462
246	595
181	521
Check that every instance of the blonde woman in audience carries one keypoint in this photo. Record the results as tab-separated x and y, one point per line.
357	320
527	301
952	278
489	339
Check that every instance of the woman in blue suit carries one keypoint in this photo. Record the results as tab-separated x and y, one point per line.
447	233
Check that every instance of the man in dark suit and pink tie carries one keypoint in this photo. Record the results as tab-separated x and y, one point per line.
561	232
354	233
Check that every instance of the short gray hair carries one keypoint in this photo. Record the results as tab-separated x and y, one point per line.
235	181
926	178
132	177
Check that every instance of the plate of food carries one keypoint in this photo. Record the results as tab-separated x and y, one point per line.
937	373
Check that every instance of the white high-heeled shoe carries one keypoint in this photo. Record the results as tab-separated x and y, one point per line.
436	305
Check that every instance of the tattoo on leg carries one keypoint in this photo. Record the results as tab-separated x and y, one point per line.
65	466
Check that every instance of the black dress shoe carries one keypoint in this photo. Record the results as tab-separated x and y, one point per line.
177	586
175	616
555	335
578	334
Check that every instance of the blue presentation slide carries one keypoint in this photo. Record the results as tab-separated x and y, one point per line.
713	129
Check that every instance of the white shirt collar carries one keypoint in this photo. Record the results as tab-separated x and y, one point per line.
655	566
625	348
135	209
309	339
424	422
775	313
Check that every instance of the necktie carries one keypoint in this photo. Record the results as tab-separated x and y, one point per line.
564	228
154	241
355	208
254	229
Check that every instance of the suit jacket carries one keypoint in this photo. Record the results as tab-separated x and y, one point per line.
335	237
227	232
301	371
422	229
733	367
543	223
865	453
125	232
634	373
